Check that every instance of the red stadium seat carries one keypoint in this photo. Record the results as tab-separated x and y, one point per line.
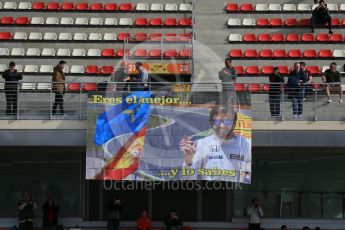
337	38
264	37
141	37
22	21
314	69
262	22
110	6
232	7
310	53
170	22
123	36
140	53
276	22
294	54
141	22
235	53
107	69
290	22
247	7
266	87
155	53
126	7
108	53
96	6
121	52
170	53
74	87
266	53
171	37
325	54
185	37
304	22
254	88
279	54
278	37
240	87
322	38
53	6
252	70
82	6
38	6
336	22
156	22
343	22
249	38
90	87
67	6
307	38
185	22
267	70
185	53
251	53
239	70
292	38
316	86
5	36
155	36
283	69
7	20
92	69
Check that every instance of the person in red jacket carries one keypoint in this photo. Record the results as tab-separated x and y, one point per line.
144	221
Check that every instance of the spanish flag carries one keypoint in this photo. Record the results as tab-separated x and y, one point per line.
127	159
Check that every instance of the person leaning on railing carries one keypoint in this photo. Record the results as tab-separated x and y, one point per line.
58	79
12	77
294	85
332	80
120	77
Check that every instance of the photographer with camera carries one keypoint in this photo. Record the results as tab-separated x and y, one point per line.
26	208
255	213
11	76
321	16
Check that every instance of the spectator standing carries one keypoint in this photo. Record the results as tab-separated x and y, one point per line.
120	76
144	221
114	213
284	227
295	80
321	16
275	90
26	208
173	222
12	77
306	80
50	213
255	213
228	76
332	78
58	79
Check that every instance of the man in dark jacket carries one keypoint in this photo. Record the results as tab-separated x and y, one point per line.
26	208
114	213
228	77
120	77
50	213
321	16
173	222
11	76
295	80
274	94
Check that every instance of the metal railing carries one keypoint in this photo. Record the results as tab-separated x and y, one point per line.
33	100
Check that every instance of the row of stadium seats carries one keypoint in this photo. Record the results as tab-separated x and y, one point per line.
65	52
292	37
281	53
264	70
274	7
168	22
83	6
51	36
278	22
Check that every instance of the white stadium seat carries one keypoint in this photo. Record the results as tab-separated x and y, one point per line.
156	7
248	22
125	22
339	53
289	7
28	86
4	52
2	85
3	67
109	37
10	5
65	36
35	36
24	6
17	52
31	69
63	52
81	21
48	52
0	5
342	7
77	69
80	37
65	69
96	21
44	86
19	68
20	36
50	36
33	52
110	22
37	21
235	37
303	7
94	53
171	7
52	21
274	7
78	52
234	22
95	36
261	7
185	7
46	69
66	21
142	7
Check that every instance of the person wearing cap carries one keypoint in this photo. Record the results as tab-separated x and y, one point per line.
58	79
120	76
12	77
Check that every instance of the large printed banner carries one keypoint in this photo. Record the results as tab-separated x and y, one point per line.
154	136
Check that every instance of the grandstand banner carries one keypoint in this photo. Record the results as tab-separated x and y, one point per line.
164	136
162	68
